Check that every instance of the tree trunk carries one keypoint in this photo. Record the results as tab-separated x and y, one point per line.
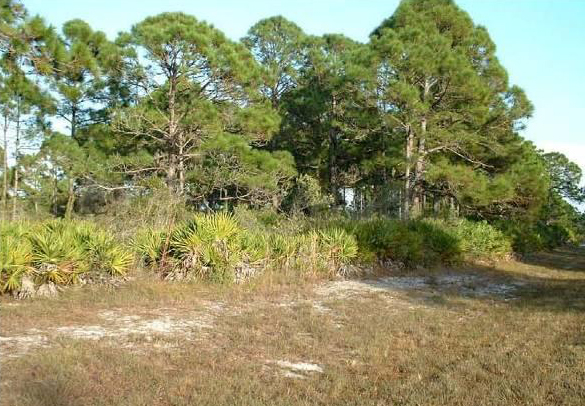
333	187
175	172
420	159
333	173
400	208
419	172
436	204
74	122
181	166
406	198
17	156
172	172
70	199
54	193
5	165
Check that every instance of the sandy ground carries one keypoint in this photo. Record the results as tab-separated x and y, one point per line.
124	325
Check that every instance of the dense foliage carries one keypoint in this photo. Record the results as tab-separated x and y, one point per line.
224	247
60	252
217	247
417	132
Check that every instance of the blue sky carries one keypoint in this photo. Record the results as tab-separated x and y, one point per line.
540	42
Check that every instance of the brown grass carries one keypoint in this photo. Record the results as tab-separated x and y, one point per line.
411	347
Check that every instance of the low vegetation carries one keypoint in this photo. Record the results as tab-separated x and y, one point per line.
59	252
216	247
224	247
198	156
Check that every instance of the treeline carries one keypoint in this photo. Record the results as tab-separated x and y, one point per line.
419	121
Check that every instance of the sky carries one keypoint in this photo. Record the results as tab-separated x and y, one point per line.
541	43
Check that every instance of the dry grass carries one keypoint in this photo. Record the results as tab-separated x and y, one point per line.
425	345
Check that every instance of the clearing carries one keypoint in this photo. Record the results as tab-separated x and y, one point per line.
509	334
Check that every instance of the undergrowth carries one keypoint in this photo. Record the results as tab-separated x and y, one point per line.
231	247
59	251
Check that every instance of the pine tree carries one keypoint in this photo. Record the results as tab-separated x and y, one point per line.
81	59
325	117
65	162
22	102
279	46
443	87
565	177
193	84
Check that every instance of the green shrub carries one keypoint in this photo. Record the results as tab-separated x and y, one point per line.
426	242
255	247
389	239
149	244
106	255
339	246
439	244
530	237
209	245
59	251
15	261
57	255
214	246
480	240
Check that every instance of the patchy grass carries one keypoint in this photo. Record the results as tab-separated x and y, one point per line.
418	339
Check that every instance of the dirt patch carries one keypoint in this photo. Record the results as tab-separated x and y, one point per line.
122	325
296	370
117	325
16	346
462	284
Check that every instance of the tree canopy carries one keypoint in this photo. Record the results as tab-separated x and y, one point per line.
419	121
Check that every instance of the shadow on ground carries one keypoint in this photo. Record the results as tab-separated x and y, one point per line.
548	281
565	258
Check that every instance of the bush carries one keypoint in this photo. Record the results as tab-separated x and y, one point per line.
412	243
209	246
149	244
59	251
215	247
389	239
440	243
15	262
531	237
339	246
424	242
480	240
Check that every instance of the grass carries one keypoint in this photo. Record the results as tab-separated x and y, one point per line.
410	347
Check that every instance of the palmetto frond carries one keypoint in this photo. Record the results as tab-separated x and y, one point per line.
15	261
